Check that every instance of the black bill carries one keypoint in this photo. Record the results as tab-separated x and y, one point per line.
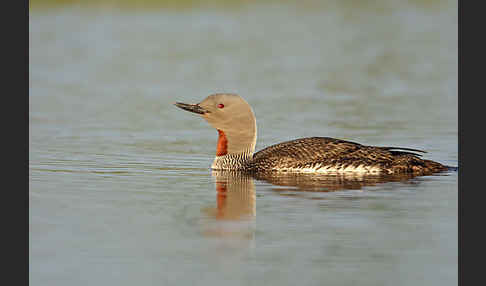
191	107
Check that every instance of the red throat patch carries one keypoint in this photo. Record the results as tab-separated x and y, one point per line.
222	148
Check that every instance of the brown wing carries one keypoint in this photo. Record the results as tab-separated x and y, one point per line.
308	152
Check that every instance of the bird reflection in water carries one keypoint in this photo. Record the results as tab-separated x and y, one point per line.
234	214
235	211
329	182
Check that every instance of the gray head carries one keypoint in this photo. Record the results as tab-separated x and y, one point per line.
232	116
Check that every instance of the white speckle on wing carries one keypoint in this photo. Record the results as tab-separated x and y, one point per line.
329	169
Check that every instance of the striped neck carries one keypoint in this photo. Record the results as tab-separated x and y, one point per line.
233	161
235	147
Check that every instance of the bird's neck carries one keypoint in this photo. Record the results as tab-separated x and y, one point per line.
235	148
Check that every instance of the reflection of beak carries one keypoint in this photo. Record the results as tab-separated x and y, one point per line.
192	108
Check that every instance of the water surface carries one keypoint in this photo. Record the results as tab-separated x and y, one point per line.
120	187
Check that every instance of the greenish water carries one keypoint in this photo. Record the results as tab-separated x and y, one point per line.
120	187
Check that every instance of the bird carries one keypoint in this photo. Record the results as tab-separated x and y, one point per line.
235	122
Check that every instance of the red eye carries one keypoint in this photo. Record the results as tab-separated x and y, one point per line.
220	105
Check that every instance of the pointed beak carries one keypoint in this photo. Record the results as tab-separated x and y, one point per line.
192	108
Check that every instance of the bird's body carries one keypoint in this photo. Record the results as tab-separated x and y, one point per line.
329	155
236	125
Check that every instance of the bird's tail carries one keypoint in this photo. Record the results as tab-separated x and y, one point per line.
452	169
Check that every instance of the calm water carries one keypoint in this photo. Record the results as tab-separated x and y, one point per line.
120	187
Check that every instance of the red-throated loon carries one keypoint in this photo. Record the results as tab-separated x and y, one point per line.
233	117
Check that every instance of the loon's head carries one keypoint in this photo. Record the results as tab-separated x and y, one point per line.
232	116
